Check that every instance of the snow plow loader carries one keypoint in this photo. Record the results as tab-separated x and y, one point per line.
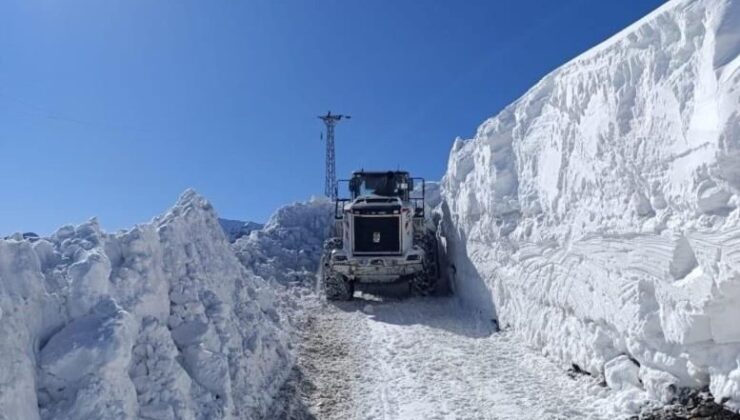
381	237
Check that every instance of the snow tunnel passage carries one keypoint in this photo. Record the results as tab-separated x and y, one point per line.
423	358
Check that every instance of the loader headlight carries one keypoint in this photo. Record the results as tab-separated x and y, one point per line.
340	258
413	257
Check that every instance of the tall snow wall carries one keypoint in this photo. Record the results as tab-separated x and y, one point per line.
158	322
598	214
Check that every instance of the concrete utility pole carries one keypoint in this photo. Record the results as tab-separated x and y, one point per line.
330	120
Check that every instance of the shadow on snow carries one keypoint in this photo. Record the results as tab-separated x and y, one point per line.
444	313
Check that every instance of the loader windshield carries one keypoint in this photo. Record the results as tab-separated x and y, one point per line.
387	184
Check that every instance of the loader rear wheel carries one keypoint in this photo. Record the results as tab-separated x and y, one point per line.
424	282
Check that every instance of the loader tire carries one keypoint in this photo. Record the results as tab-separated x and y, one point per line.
338	287
334	285
329	245
424	282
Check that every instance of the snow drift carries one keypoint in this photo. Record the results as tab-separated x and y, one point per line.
598	214
158	322
288	248
235	229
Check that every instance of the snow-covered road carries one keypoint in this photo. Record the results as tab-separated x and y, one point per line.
426	359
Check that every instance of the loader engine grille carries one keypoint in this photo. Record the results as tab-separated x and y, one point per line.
377	234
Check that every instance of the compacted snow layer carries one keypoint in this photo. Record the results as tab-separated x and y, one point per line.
158	322
288	248
598	214
286	254
427	359
235	229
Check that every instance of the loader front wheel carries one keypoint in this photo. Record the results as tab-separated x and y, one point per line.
338	287
335	285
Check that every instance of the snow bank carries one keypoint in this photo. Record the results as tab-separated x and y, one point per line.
598	214
158	322
235	229
288	248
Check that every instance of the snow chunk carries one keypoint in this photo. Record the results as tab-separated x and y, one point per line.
72	363
622	372
660	385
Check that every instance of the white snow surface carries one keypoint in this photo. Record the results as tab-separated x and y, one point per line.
157	322
598	214
429	358
235	229
288	249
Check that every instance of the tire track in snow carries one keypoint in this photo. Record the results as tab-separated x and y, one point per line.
429	359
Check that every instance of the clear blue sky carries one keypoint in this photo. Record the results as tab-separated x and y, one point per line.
113	108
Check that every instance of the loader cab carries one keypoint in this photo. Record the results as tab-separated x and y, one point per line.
377	187
384	184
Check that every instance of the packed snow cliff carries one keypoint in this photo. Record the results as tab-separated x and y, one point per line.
598	214
158	322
